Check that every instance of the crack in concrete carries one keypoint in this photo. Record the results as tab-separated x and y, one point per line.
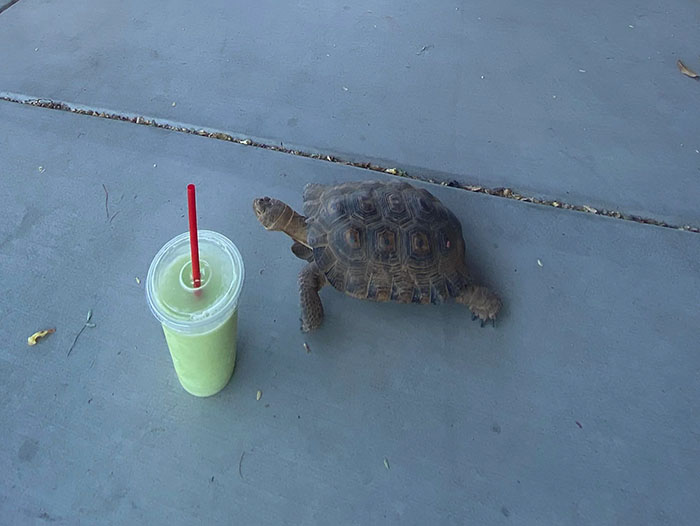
504	192
8	5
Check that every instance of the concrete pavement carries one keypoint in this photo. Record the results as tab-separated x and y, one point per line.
578	408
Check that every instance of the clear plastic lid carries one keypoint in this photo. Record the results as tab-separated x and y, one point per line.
169	291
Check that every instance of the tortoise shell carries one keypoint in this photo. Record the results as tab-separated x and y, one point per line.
385	241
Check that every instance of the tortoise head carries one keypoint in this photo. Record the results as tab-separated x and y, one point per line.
269	211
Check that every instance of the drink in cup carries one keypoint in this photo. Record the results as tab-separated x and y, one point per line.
200	323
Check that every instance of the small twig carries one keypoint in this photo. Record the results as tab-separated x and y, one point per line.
106	201
76	339
85	326
240	462
114	215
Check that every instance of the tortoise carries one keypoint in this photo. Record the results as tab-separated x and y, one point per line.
381	241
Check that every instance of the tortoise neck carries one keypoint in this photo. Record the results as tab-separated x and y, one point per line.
292	224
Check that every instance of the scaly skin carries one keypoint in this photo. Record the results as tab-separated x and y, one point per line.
310	282
276	215
483	303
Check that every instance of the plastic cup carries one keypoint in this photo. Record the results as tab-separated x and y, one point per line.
200	325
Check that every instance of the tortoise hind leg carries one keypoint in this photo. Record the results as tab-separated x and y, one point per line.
483	303
311	279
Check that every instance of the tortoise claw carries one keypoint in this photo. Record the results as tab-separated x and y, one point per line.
474	317
493	322
483	323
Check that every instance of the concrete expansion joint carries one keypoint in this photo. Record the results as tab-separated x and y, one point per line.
503	192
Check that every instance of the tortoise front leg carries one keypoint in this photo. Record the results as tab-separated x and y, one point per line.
311	279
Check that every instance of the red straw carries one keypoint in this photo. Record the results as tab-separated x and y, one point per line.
194	243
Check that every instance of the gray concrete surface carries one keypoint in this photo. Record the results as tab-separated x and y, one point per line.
579	408
579	102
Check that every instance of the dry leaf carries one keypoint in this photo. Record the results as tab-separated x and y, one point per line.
138	281
258	396
306	346
687	72
539	262
39	334
590	209
386	463
392	171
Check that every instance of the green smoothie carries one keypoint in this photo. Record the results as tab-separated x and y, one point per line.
200	325
201	366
